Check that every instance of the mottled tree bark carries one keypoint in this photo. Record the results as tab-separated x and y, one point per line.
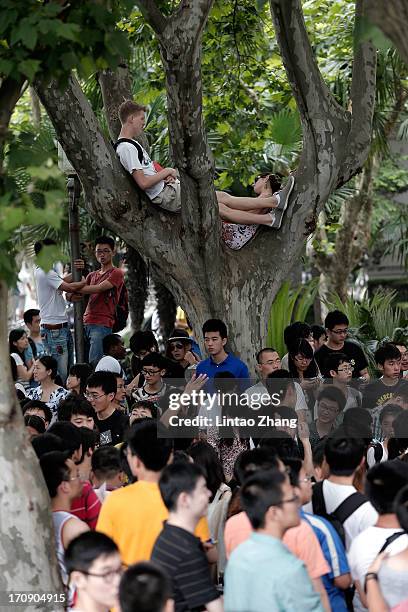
391	16
27	549
186	251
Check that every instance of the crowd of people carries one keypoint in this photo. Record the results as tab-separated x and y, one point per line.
308	513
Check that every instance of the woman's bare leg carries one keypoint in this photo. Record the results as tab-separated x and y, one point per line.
245	203
240	216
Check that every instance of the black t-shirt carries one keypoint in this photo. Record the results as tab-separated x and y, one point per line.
377	393
113	428
182	556
351	349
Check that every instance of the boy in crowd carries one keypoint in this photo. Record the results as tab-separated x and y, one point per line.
340	371
336	324
404	359
388	361
64	485
177	550
94	568
293	332
144	587
38	408
378	451
78	411
106	471
32	321
133	516
215	339
329	407
113	352
111	423
162	187
344	456
119	400
262	574
383	483
154	388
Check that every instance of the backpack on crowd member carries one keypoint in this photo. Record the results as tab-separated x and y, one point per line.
378	451
121	310
33	347
341	513
139	149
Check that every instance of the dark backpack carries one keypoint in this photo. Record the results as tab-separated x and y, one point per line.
342	512
33	347
121	309
132	142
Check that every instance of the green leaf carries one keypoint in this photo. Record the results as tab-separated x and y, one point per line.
48	256
6	67
29	68
11	218
70	31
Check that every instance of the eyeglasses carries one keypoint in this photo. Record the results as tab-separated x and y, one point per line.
176	345
340	332
103	251
77	477
93	396
292	500
150	372
108	576
345	369
306	479
302	359
323	406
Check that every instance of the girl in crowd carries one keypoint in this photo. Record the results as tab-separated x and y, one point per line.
77	378
242	216
18	343
45	372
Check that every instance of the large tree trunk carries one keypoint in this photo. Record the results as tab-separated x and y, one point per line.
186	252
27	548
137	286
391	16
166	309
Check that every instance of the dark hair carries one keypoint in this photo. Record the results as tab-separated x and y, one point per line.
206	457
335	317
334	360
34	421
390	410
357	423
399	442
46	242
129	108
13	367
144	442
264	350
89	440
14	336
318	453
105	240
109	342
69	434
284	412
334	395
401	508
274	180
278	382
40	406
385	352
45	443
301	347
74	404
104	380
251	461
86	548
282	444
296	331
50	363
261	491
317	331
30	314
105	462
295	465
178	478
215	325
54	469
343	455
83	372
148	405
142	341
383	482
144	587
155	360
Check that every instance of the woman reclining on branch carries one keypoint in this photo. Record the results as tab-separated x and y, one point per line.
242	216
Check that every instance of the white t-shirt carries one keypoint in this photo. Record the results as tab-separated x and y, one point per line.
50	300
365	516
129	158
364	549
109	364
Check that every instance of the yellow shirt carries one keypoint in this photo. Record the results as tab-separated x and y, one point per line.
133	517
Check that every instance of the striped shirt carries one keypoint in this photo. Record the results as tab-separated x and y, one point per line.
88	506
182	556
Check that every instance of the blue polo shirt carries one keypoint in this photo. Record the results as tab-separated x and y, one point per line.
230	364
335	555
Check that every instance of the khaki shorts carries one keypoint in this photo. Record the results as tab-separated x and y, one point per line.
169	198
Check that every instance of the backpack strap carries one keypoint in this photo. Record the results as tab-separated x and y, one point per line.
349	506
390	540
318	503
132	142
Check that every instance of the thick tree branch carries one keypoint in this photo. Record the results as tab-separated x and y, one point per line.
391	16
10	92
362	101
153	15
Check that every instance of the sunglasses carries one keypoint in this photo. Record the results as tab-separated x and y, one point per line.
176	345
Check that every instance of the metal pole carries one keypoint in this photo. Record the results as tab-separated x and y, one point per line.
74	191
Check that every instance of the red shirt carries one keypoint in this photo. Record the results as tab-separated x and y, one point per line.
101	306
88	506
